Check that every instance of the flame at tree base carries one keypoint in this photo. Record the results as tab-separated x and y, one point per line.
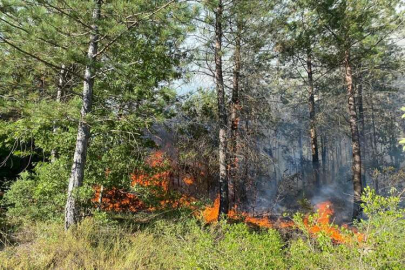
159	182
211	213
320	224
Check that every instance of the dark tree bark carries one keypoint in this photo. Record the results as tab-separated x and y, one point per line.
235	107
362	130
223	177
356	166
83	133
312	128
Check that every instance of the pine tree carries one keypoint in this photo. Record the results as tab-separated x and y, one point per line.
125	86
356	28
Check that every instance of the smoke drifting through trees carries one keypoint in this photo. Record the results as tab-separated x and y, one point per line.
305	103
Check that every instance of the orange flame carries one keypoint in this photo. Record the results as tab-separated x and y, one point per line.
188	181
323	224
211	213
117	200
320	224
160	179
261	222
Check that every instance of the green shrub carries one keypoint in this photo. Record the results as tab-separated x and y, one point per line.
40	195
383	246
385	231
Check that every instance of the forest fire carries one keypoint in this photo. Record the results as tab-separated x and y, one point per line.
188	181
210	214
117	200
321	223
261	222
159	182
159	179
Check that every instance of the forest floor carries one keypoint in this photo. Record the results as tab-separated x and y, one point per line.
178	240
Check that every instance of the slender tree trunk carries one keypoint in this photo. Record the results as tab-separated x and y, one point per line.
235	107
312	128
247	160
100	197
83	133
356	166
324	151
373	141
223	177
300	152
59	94
362	130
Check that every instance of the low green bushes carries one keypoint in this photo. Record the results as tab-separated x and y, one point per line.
183	242
163	245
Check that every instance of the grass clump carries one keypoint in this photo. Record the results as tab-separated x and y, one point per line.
181	244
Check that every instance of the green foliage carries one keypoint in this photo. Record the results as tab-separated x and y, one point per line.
163	245
131	93
40	195
384	229
163	241
382	247
229	246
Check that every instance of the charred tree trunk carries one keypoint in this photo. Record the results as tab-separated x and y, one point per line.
83	133
59	94
356	165
223	177
235	107
312	127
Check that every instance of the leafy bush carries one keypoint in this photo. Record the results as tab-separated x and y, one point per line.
381	247
385	231
40	195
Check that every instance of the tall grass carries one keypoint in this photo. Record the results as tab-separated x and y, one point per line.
165	245
183	242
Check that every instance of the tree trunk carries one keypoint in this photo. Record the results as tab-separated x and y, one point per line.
223	178
324	151
312	128
235	107
100	197
300	153
83	133
362	130
356	166
59	94
376	159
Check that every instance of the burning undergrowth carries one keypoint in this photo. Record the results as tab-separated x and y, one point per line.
159	184
314	224
151	189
